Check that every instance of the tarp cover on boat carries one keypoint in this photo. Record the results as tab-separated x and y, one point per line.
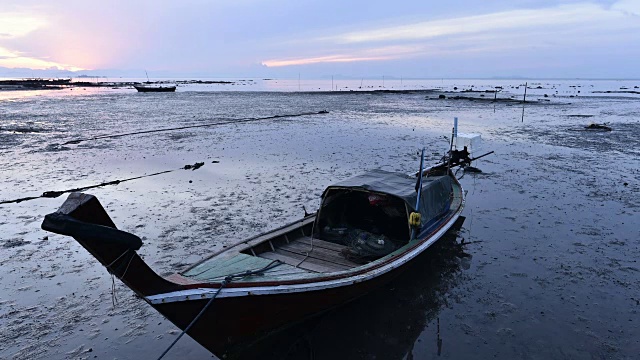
436	190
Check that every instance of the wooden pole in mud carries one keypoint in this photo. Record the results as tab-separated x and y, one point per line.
524	100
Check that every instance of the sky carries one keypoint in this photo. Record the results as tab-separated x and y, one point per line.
319	39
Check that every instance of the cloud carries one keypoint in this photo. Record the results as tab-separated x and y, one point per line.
323	59
14	25
558	28
375	54
559	16
630	7
13	59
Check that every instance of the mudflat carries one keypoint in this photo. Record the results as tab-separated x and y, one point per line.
549	268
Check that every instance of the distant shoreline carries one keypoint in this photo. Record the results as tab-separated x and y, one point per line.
57	84
496	90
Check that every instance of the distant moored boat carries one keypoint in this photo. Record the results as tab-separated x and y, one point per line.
154	88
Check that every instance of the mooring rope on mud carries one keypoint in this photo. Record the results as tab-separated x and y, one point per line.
223	284
55	193
234	121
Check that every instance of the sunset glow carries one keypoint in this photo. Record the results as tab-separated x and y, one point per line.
15	26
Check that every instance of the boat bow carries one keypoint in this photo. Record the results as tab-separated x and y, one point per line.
83	217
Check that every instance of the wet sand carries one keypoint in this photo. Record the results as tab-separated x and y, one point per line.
552	228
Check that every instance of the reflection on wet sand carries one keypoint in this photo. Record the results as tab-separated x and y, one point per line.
384	324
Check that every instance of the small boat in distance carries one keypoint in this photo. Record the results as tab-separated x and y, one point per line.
367	231
154	88
148	86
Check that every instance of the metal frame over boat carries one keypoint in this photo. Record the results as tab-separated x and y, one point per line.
359	240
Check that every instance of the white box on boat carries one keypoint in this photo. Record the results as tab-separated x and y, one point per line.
473	142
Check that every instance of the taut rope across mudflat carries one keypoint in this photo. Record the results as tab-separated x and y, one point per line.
234	121
55	193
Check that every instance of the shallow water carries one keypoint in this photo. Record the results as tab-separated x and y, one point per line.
551	225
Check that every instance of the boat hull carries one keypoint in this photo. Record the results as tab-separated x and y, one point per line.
235	322
232	324
155	89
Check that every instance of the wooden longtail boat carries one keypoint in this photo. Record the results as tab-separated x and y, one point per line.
365	233
154	88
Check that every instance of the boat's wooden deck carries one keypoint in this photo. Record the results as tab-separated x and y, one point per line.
323	257
314	255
